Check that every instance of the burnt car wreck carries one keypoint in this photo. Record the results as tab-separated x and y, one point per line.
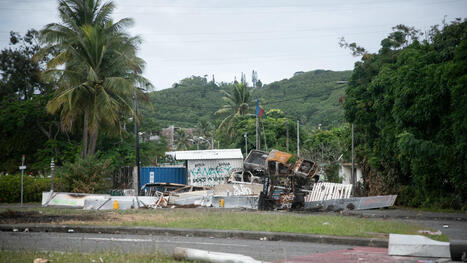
285	184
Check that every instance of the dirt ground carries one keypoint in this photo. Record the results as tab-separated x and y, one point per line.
20	217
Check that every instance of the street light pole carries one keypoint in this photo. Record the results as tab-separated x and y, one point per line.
22	167
287	134
352	176
52	170
246	143
298	138
136	140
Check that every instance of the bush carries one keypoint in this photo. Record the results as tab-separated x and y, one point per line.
90	175
10	188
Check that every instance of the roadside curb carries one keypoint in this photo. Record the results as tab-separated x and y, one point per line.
237	234
409	217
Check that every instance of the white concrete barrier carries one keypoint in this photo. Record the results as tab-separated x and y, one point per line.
417	246
69	199
181	253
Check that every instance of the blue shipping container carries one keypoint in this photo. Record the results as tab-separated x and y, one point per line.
175	175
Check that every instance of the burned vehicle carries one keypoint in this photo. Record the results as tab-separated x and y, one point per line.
284	183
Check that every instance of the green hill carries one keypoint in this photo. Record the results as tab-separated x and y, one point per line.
313	97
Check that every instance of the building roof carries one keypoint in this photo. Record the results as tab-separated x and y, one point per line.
207	154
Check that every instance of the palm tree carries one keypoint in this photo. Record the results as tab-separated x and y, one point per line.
95	67
236	104
183	141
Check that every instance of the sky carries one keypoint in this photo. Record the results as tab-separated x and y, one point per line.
227	37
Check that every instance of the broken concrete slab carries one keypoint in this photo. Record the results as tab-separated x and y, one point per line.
124	202
189	198
353	203
237	189
418	246
75	200
248	202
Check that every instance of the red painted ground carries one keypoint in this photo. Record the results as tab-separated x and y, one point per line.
356	254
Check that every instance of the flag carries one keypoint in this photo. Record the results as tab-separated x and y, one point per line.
259	109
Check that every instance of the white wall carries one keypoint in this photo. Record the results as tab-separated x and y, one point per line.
345	173
211	172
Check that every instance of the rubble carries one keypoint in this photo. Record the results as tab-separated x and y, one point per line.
267	181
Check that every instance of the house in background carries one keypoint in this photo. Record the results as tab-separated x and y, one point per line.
345	173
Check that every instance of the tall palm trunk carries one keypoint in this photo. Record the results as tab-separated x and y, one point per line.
93	141
84	147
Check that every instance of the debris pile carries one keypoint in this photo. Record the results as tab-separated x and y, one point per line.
267	181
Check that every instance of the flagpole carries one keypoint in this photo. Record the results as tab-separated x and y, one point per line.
257	133
258	147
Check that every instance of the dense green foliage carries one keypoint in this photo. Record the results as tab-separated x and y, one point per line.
408	103
90	175
311	96
25	126
10	188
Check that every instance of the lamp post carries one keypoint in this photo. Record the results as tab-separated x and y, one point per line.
298	138
246	143
135	102
52	170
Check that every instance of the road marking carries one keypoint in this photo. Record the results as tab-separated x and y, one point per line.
154	241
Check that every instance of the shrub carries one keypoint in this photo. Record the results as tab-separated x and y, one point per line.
90	175
10	188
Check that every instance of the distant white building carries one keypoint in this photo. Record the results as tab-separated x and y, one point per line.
345	173
209	167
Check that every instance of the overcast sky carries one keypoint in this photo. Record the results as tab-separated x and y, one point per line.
225	38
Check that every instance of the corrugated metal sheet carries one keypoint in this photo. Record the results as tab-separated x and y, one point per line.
211	172
162	175
218	154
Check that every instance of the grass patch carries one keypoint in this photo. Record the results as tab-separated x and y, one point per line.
208	218
431	209
22	256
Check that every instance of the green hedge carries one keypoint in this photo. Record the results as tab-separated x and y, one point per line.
10	188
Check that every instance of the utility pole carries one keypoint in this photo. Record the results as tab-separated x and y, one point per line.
287	134
172	137
212	143
22	168
136	140
52	171
352	176
246	143
298	138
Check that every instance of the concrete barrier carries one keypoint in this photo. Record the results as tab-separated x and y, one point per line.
75	200
417	246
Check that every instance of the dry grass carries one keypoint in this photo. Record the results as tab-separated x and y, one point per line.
224	219
22	256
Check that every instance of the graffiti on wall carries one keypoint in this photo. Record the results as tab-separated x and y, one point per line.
205	173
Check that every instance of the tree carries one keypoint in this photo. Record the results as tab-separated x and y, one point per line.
236	104
101	70
26	128
182	139
408	105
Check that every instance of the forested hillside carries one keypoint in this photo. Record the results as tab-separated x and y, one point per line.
313	97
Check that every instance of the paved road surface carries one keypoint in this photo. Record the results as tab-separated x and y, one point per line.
261	250
296	252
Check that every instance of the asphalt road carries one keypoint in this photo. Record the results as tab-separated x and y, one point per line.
261	250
